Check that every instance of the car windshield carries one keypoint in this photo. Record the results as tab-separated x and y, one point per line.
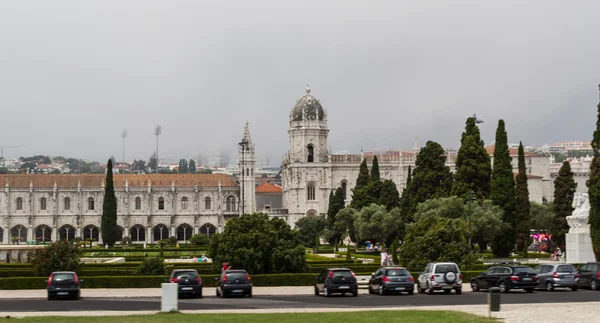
566	269
56	277
523	270
185	274
397	272
236	275
442	269
342	273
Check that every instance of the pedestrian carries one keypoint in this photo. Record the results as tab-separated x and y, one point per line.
384	257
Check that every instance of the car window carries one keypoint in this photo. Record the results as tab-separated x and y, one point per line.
59	277
490	271
546	269
397	272
442	269
565	269
538	269
523	270
342	273
185	274
238	275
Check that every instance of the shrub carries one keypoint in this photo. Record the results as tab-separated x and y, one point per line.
200	240
59	256
172	241
152	266
126	241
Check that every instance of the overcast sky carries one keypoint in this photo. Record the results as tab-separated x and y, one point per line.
74	74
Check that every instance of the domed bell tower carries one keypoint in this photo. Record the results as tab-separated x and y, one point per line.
308	131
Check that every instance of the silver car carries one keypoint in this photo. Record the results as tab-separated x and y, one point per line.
444	276
557	275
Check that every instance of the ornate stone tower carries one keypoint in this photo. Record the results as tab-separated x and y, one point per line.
246	165
306	170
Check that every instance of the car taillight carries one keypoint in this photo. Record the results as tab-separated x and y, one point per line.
50	280
411	279
385	279
536	278
598	275
198	280
555	275
514	278
76	280
248	277
353	275
576	275
175	280
432	278
459	276
330	274
225	279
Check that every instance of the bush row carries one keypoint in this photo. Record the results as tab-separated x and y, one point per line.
304	279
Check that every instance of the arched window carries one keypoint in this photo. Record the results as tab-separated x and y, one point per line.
43	204
137	233
91	204
184	232
43	233
160	232
310	192
184	203
230	207
208	228
311	153
247	171
19	204
207	205
90	232
67	204
161	203
312	213
138	203
344	189
18	233
119	233
66	232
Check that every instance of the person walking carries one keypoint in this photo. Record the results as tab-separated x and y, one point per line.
384	257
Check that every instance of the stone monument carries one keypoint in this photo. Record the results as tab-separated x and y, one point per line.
578	241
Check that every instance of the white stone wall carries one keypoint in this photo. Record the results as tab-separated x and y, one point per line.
536	190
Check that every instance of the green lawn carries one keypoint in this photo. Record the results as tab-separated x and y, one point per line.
366	316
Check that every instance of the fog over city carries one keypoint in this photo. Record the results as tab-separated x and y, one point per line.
74	74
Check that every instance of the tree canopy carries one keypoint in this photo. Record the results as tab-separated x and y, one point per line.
311	229
523	208
59	256
593	184
564	192
377	224
109	209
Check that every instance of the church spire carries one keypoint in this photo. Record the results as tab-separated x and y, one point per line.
246	137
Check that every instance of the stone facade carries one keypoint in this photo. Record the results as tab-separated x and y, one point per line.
150	207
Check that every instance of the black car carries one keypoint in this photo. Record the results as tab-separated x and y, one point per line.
589	275
506	278
388	280
64	283
190	283
336	280
234	282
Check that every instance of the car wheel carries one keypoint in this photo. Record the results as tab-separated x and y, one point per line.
529	290
224	294
594	285
217	291
250	294
574	288
419	289
316	291
502	287
199	295
411	292
326	292
370	290
474	286
50	297
458	291
549	286
355	293
77	296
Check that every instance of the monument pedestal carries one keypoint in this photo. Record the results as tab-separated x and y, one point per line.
579	248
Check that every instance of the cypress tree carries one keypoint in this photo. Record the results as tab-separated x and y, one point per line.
375	176
593	184
473	168
523	208
564	192
192	166
389	196
503	193
361	192
431	177
109	209
336	203
363	178
405	199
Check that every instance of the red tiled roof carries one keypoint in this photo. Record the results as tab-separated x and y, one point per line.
96	180
268	188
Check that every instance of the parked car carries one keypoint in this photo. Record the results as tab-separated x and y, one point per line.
388	280
189	281
553	276
589	275
506	277
64	283
336	280
444	276
234	282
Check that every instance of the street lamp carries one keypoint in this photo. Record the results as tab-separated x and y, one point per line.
471	198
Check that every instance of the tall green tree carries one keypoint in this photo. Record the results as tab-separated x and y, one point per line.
375	176
593	184
405	198
361	196
473	168
336	203
523	208
363	178
389	195
375	184
564	192
183	166
192	166
311	229
503	193
109	209
431	177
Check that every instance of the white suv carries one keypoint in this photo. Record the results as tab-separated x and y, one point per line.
444	276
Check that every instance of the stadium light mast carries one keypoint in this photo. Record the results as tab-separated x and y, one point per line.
124	135
157	132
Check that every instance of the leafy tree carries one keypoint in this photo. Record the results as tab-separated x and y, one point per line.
336	203
373	192
153	162
593	184
360	193
139	165
376	223
58	256
200	239
431	177
152	266
564	192
311	229
46	160
543	217
523	208
486	222
503	192
405	198
473	169
389	195
109	209
344	222
433	239
259	245
183	166
375	176
192	166
3	170
206	171
449	208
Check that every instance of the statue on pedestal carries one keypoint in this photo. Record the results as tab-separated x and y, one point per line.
578	221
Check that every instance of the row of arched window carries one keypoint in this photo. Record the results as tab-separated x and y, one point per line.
230	203
137	233
311	195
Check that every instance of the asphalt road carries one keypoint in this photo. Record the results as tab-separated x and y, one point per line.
293	301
